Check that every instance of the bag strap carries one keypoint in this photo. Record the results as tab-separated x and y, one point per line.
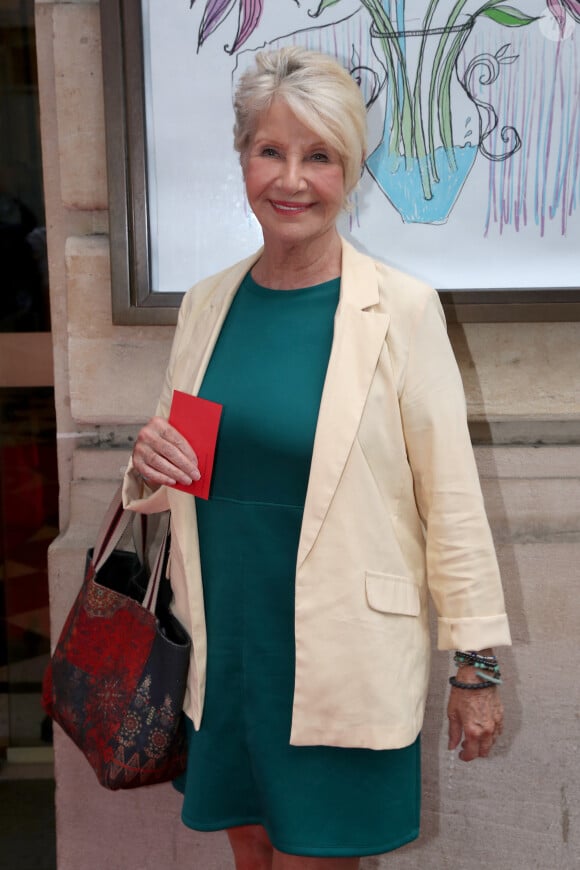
157	573
113	527
140	535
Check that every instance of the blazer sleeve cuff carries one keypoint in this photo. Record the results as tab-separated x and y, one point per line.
137	496
475	632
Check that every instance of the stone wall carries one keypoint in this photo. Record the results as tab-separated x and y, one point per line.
519	809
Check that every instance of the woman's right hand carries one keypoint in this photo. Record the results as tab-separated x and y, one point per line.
162	456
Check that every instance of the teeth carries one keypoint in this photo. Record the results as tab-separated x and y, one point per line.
290	207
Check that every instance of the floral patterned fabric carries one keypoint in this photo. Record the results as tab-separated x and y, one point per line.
117	678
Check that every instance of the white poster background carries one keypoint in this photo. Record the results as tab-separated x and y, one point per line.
198	215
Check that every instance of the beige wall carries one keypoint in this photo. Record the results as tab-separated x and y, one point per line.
518	810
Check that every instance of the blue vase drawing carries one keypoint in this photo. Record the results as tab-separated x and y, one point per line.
433	129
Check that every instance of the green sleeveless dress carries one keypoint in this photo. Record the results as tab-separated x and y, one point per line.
268	370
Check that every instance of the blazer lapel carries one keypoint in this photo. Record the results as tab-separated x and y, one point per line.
359	336
202	335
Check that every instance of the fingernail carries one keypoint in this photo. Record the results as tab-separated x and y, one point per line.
196	475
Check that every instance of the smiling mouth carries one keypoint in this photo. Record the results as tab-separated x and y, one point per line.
290	207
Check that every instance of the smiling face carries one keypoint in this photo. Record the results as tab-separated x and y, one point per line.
294	181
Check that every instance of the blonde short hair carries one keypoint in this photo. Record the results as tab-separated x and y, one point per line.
318	90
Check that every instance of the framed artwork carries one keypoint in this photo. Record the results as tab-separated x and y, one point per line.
472	180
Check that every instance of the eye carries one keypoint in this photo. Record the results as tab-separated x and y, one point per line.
320	157
268	151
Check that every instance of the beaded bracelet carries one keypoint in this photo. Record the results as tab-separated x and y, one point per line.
453	681
486	673
491	678
473	654
474	658
484	663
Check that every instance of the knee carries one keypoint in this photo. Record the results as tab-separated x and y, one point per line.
251	847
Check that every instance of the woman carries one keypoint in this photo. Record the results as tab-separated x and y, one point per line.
344	490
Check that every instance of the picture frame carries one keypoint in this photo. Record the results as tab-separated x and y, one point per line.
134	301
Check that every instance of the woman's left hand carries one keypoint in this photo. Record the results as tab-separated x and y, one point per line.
475	714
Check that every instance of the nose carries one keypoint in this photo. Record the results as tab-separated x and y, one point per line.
292	178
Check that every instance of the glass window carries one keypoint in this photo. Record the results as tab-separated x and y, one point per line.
23	277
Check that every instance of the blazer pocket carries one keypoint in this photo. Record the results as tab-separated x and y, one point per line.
391	593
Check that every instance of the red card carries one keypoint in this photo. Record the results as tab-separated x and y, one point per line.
198	421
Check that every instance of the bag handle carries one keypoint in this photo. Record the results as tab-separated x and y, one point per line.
157	575
113	527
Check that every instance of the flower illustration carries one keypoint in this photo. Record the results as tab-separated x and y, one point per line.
424	156
561	8
216	11
420	150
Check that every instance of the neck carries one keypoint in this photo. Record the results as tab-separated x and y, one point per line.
288	267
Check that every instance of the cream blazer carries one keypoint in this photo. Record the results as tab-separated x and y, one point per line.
393	512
